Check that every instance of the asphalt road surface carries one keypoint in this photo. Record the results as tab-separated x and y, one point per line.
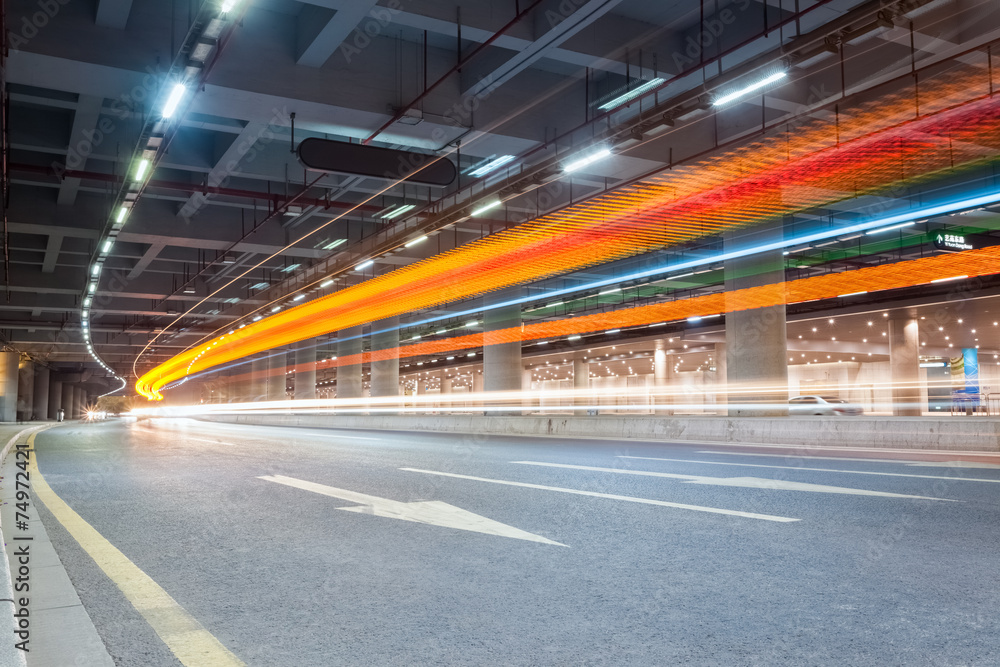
321	547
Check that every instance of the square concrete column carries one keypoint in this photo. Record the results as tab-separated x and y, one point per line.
69	400
305	370
756	338
258	379
80	401
581	381
276	380
25	390
721	397
904	364
385	372
55	398
502	361
663	372
9	362
41	397
349	382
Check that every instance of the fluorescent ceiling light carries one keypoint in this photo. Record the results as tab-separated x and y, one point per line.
95	270
889	229
933	364
473	323
92	288
86	302
364	265
631	95
610	291
487	207
289	269
227	5
736	94
107	245
416	241
590	159
696	318
944	280
298	297
574	337
415	337
492	165
334	244
471	354
612	331
326	284
393	214
140	171
176	95
554	304
440	331
122	212
276	309
840	296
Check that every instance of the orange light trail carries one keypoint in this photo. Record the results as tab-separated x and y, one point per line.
780	174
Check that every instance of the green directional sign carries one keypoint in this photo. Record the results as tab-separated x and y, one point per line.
950	241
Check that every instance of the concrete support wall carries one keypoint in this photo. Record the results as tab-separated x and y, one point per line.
385	372
349	382
41	397
79	401
756	339
55	398
305	370
501	361
276	380
8	385
904	365
25	390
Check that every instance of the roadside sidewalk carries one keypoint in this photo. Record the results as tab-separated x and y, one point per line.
60	629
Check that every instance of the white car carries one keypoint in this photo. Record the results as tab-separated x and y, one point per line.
829	406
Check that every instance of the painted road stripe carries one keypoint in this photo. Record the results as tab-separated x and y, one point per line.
848	472
430	512
918	464
186	638
744	482
611	496
802	456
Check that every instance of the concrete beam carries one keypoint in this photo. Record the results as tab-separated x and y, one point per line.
317	45
146	260
113	13
52	252
88	112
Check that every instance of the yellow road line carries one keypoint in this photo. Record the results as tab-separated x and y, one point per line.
184	636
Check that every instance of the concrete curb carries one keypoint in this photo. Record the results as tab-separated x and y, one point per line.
9	655
917	433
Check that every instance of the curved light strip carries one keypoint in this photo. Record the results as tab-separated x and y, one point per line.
757	182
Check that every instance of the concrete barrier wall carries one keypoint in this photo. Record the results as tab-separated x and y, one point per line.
958	434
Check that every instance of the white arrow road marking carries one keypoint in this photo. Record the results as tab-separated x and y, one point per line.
594	494
846	472
431	512
746	482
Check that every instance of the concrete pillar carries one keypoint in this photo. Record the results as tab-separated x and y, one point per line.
305	371
25	390
904	364
581	381
258	379
721	396
55	398
69	400
79	401
756	339
349	384
385	372
501	361
8	385
41	397
276	380
663	371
